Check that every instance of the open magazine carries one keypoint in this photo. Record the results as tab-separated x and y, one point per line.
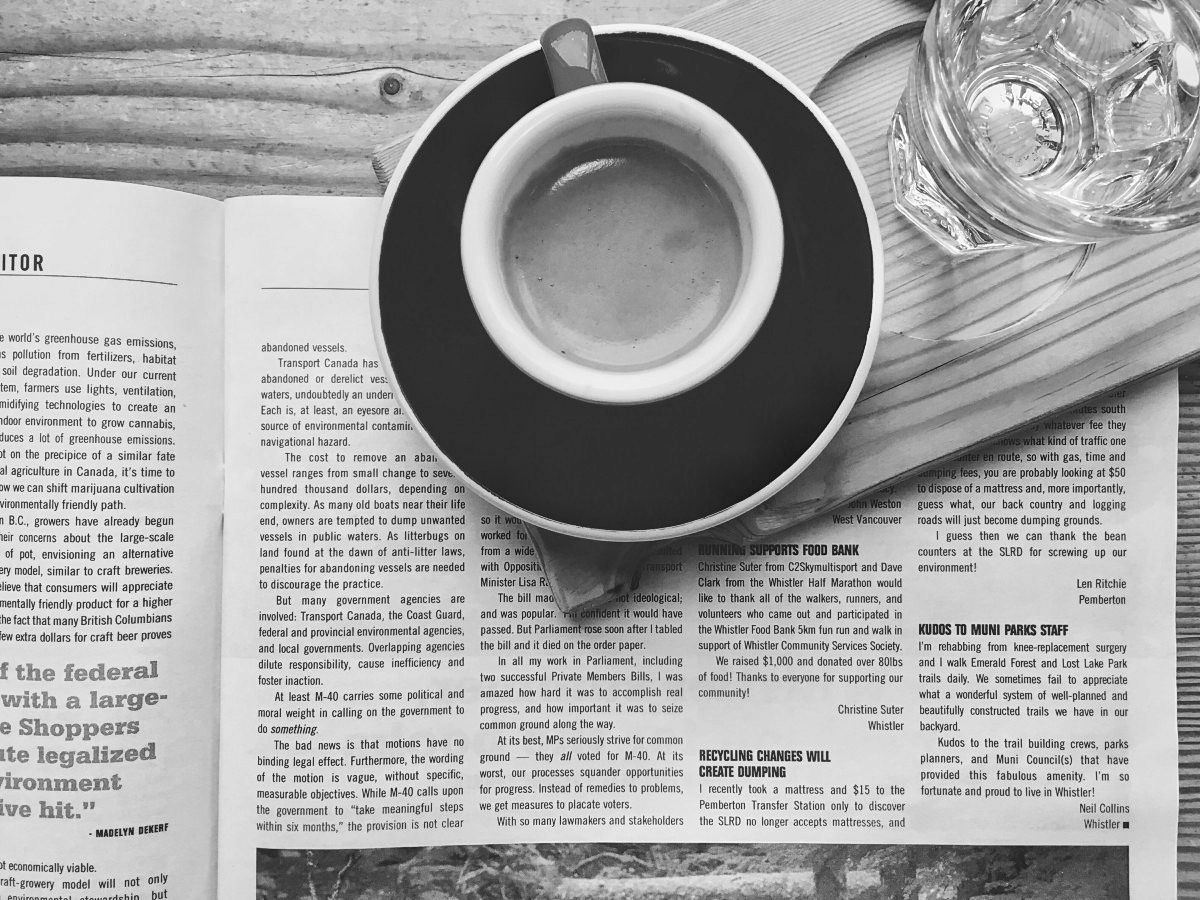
256	641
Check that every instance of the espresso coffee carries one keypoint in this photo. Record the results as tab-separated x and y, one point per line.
621	253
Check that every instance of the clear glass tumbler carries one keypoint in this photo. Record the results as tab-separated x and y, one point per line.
1031	121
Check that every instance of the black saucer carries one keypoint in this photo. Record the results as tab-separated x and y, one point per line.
655	469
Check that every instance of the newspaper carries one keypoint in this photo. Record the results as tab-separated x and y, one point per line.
110	539
981	656
962	686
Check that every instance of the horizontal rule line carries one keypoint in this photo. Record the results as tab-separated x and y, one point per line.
286	288
92	277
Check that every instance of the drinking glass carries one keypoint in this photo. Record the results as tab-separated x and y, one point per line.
1033	121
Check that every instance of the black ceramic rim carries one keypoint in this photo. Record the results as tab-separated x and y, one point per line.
657	469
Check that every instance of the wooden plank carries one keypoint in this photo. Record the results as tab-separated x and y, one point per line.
414	29
341	82
303	79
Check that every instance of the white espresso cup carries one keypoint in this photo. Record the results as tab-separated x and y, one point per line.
622	242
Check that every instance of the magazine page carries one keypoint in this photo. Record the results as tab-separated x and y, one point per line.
110	504
960	686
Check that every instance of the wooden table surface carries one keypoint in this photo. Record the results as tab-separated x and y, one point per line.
229	97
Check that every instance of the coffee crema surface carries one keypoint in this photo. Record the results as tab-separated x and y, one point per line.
621	253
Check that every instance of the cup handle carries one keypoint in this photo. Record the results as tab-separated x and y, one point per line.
572	55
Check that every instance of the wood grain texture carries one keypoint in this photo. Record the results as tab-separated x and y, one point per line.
227	99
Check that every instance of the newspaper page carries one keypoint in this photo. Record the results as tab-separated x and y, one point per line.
110	539
962	686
